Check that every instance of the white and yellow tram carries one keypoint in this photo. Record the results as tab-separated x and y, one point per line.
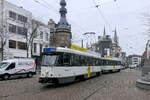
63	65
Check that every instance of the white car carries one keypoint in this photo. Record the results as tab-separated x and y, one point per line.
17	67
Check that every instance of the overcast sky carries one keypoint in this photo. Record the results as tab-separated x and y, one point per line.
125	15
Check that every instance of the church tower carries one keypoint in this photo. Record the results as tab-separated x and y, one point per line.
61	35
104	33
116	40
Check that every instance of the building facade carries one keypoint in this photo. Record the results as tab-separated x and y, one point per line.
42	37
16	26
116	49
104	45
15	21
134	61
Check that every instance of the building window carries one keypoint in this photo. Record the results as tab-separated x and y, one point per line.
62	39
22	30
41	48
22	46
12	15
46	36
41	35
22	18
12	44
12	28
46	46
35	48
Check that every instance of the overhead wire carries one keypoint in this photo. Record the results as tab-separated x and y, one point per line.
100	12
44	5
58	13
117	9
47	5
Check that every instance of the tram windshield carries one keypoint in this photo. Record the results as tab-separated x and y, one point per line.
56	59
49	60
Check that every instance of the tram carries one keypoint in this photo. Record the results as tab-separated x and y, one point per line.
63	65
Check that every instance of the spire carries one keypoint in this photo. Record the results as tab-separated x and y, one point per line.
115	37
104	34
63	11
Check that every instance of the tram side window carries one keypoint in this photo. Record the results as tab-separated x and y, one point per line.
66	59
97	62
75	60
80	61
60	60
108	62
83	60
105	62
113	63
119	63
89	62
116	63
102	62
94	62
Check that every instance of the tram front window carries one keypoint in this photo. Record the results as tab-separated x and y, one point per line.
49	60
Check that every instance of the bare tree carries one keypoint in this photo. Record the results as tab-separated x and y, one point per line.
4	36
31	35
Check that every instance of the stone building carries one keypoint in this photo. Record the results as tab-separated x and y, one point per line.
116	49
42	38
134	61
61	32
104	45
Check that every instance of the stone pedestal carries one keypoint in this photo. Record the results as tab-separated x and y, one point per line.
144	81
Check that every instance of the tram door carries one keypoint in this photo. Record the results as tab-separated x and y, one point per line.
67	64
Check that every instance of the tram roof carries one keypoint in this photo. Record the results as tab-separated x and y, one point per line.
67	50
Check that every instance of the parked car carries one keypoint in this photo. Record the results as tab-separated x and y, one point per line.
17	67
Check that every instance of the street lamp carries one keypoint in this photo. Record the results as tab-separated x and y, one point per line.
87	34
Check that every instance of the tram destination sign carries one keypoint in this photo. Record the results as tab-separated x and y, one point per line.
49	49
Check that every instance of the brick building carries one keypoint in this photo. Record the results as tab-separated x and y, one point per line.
61	32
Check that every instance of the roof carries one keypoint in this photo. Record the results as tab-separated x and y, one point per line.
95	55
18	59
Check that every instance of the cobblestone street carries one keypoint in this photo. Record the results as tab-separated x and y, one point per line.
115	86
